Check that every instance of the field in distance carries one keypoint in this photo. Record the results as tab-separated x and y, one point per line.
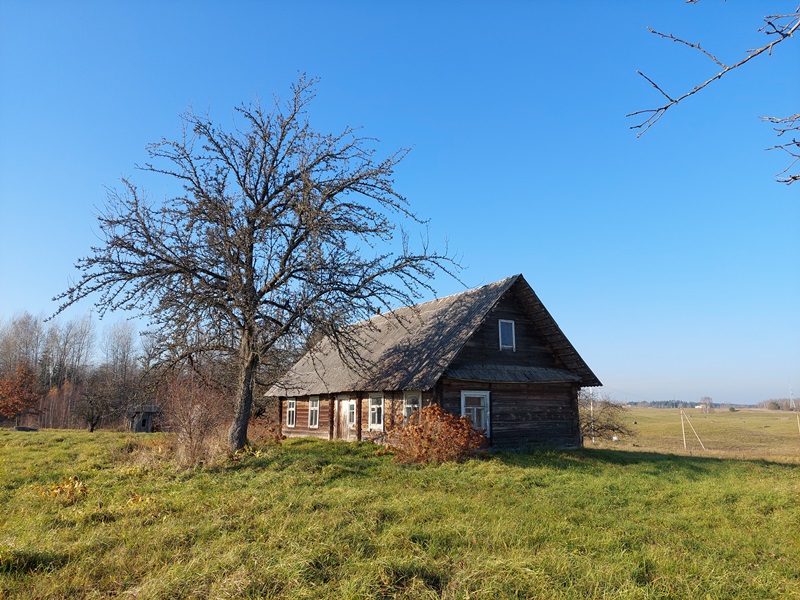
744	433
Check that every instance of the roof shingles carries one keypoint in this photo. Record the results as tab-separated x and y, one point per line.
411	348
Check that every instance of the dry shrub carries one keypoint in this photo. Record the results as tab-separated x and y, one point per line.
601	418
196	411
434	435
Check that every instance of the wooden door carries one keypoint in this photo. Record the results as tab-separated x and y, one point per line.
346	418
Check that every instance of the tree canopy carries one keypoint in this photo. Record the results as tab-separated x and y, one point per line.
278	233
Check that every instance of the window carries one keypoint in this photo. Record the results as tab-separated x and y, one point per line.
291	412
351	412
313	411
507	338
475	406
376	411
411	403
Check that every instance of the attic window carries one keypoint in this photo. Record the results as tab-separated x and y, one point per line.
507	338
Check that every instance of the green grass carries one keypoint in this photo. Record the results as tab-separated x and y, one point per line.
311	519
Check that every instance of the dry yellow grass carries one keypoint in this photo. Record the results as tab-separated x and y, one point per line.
744	434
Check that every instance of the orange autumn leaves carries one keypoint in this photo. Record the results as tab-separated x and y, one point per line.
18	391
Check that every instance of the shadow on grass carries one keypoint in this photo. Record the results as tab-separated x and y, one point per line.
591	458
24	562
330	459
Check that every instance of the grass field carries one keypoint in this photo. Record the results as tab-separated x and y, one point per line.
310	519
745	433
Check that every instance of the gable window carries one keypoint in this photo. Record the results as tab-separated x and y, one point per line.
351	413
376	411
411	404
313	411
507	338
291	412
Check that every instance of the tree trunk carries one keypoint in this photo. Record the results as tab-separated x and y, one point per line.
237	434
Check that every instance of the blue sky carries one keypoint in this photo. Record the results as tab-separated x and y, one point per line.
672	262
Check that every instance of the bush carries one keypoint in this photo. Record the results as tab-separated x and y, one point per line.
195	411
601	418
433	435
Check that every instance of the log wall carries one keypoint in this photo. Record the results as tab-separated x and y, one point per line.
523	414
483	348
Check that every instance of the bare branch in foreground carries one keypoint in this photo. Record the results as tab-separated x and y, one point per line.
779	28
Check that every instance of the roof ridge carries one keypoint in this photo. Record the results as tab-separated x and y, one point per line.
505	281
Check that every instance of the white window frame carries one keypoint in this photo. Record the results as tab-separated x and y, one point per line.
484	394
351	413
513	346
313	411
372	413
407	396
291	412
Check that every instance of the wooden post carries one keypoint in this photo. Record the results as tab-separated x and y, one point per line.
683	430
695	432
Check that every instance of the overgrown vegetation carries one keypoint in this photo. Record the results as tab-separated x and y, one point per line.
433	436
313	519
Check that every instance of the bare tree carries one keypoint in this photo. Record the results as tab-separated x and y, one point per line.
601	418
101	396
67	350
778	28
279	231
119	349
21	342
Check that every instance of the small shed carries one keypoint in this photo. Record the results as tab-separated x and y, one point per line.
141	417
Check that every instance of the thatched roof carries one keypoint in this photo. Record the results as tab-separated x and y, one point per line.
411	348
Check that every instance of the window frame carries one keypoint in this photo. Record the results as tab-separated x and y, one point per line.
486	394
374	409
513	346
406	404
313	409
291	412
351	413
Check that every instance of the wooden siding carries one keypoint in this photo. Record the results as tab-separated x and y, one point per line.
301	427
483	347
523	414
330	421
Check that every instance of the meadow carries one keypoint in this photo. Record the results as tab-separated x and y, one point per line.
108	515
743	433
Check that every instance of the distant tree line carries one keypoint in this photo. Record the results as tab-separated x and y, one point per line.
779	404
57	374
71	374
662	404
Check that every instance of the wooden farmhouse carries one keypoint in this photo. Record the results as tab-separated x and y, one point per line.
493	354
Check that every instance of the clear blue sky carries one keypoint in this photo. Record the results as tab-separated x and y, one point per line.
672	262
